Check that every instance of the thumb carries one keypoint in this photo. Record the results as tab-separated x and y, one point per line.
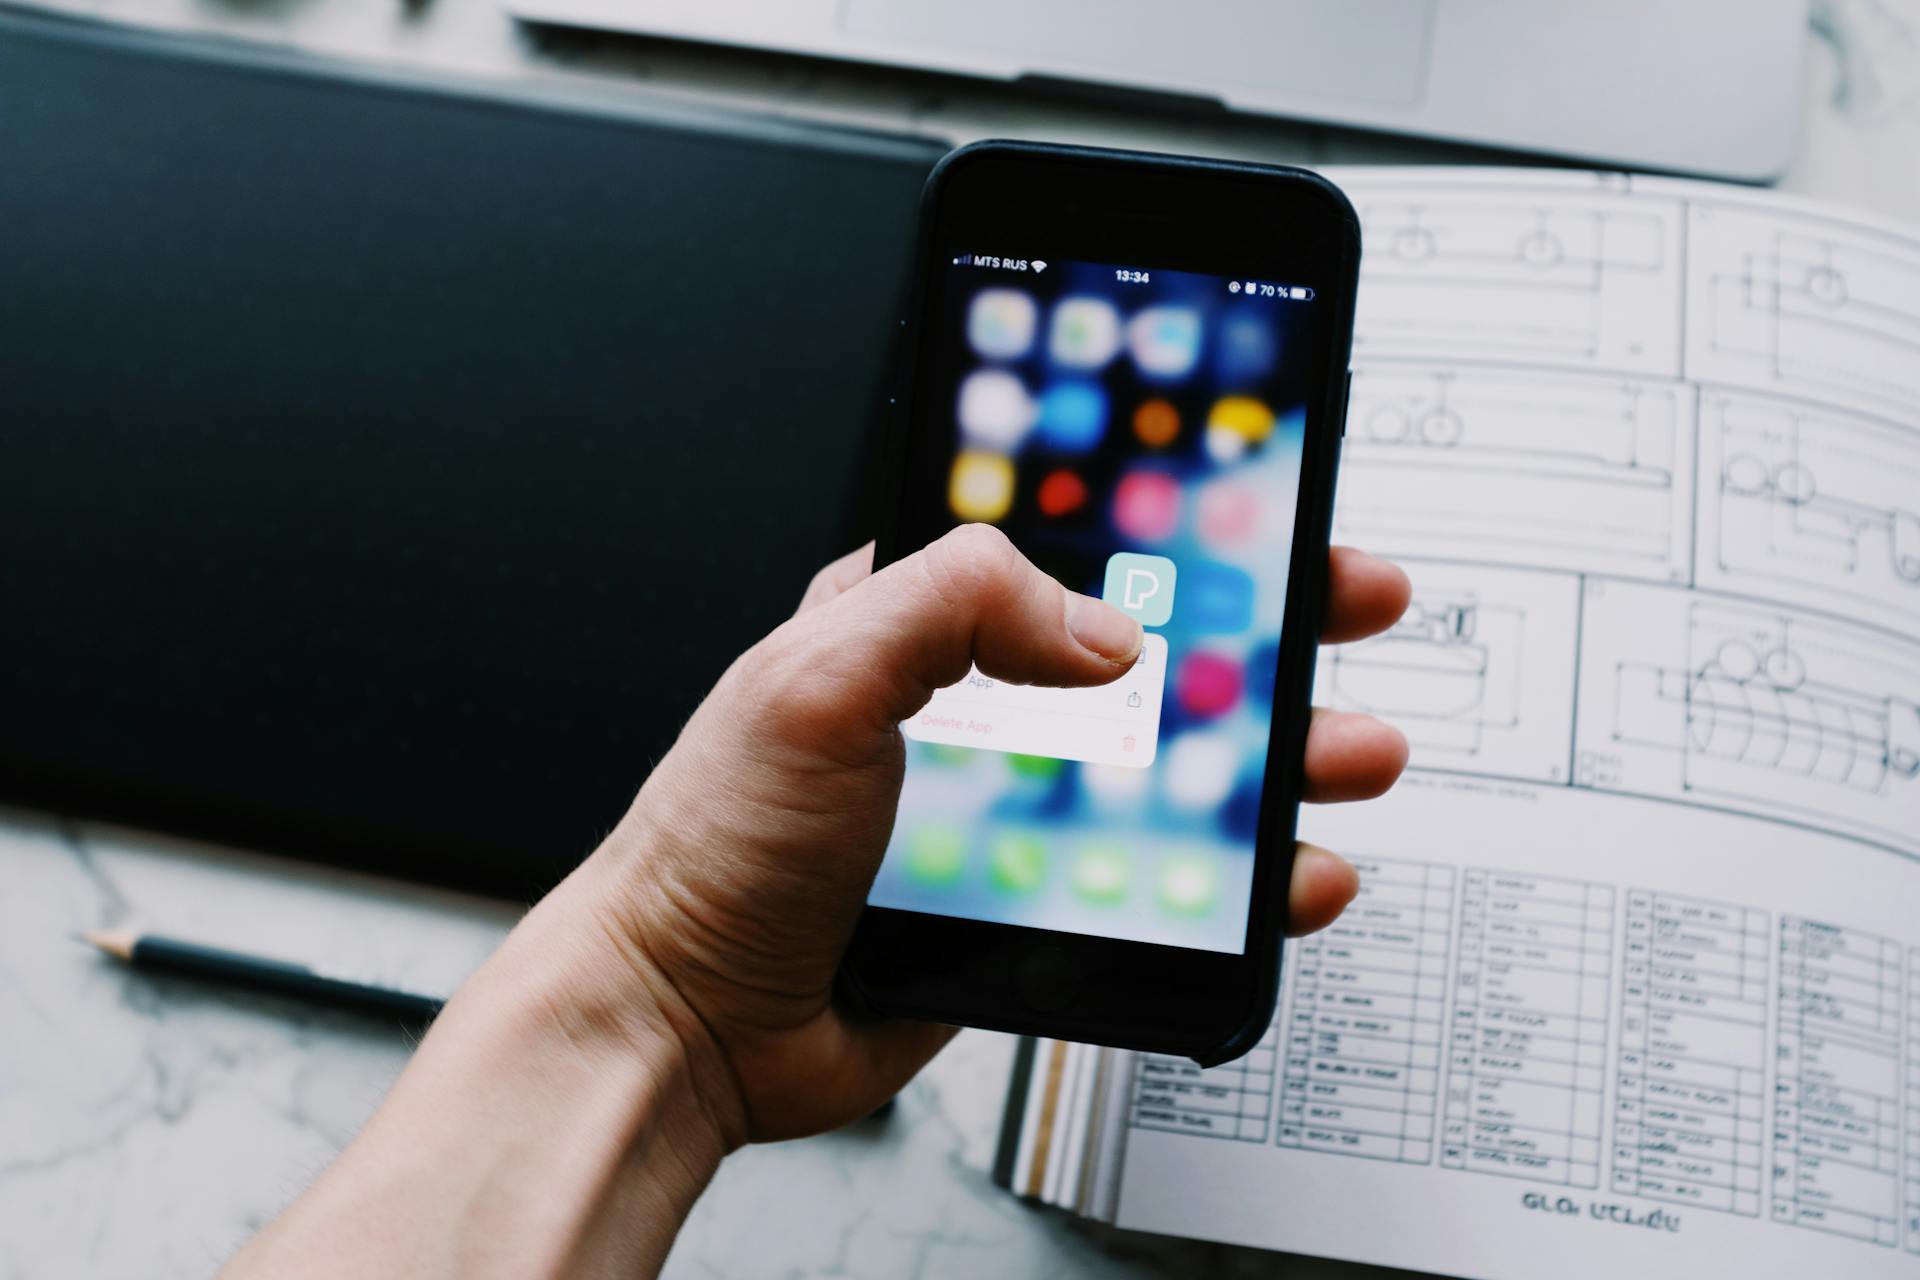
969	598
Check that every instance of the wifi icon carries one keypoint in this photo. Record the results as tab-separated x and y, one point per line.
1039	266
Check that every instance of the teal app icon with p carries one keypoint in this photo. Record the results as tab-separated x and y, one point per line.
1141	586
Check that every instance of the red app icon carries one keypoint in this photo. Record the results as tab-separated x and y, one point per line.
1061	493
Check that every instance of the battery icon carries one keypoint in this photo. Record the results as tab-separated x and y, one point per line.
1299	294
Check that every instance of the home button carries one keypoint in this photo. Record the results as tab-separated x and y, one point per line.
1047	978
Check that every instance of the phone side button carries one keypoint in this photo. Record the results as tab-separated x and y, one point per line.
1047	978
1346	403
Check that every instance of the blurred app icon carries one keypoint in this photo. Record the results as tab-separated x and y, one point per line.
1085	333
995	410
1073	416
1245	349
1000	323
1165	341
1207	684
936	854
1188	884
1146	505
1102	874
946	757
981	487
1140	585
1263	672
1061	493
1031	766
1227	514
1200	770
1115	786
1236	424
1017	862
1215	598
1156	423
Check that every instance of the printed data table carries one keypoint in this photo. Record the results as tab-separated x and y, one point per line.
1234	1101
1691	1095
1836	1115
1913	1100
1365	1023
1526	1066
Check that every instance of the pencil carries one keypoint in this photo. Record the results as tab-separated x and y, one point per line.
280	977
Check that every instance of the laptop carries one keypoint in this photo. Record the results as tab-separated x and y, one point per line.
1701	86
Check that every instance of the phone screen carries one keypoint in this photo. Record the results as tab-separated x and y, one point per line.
1137	433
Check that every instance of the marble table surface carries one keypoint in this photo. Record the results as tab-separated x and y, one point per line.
148	1126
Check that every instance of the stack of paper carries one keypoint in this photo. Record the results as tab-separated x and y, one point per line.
1634	976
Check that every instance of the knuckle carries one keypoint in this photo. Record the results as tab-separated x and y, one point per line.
976	559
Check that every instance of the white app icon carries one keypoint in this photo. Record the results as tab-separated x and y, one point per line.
1165	341
995	411
1200	771
1085	333
1000	323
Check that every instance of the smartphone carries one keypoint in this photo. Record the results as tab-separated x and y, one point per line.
1136	367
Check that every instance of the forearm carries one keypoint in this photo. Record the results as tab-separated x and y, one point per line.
554	1122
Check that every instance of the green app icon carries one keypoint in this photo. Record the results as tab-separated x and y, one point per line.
1017	862
1035	766
1101	874
936	855
1141	586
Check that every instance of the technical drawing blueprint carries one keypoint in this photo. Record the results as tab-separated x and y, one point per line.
1817	506
1804	304
1757	708
1580	279
1632	985
1509	466
1471	671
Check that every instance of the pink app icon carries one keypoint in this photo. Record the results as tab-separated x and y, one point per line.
1207	684
1146	505
1228	513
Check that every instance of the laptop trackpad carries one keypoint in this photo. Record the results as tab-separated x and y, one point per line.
1374	52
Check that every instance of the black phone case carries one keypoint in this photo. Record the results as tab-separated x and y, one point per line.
1306	588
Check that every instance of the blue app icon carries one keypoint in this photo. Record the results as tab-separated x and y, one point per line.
1073	416
1215	598
1262	671
1140	585
1246	349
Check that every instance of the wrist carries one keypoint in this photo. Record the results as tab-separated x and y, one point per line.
556	1120
584	1012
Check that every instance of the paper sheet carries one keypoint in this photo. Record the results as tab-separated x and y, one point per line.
1634	979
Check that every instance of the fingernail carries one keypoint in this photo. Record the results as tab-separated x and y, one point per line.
1102	628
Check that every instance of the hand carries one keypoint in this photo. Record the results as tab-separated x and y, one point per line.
747	856
672	998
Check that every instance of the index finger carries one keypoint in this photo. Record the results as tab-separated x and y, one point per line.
1365	595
